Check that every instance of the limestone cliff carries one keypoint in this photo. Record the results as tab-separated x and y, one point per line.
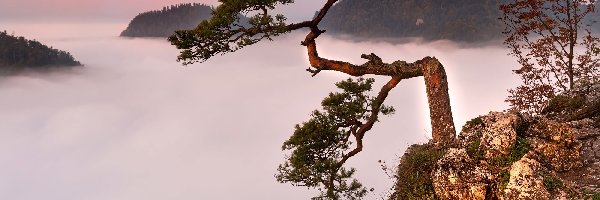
508	155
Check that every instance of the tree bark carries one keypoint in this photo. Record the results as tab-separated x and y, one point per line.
436	82
440	112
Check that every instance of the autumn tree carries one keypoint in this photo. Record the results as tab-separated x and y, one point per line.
555	51
320	147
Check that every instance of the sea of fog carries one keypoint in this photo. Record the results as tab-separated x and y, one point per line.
135	124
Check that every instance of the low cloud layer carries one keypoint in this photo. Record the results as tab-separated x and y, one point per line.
134	124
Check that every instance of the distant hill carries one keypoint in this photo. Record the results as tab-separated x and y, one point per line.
163	23
18	53
457	20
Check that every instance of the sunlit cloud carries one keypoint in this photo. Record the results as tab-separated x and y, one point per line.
135	124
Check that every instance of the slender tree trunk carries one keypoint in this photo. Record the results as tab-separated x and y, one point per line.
440	112
570	71
572	40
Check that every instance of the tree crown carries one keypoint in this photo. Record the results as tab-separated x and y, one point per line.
225	32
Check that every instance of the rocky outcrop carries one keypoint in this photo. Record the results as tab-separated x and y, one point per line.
586	178
456	176
525	181
499	134
555	143
504	155
589	137
508	155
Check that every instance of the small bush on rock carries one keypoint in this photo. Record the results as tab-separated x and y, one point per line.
413	178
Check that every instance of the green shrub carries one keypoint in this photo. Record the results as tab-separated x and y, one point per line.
500	161
591	111
550	182
413	178
472	123
474	151
562	103
596	196
503	178
520	148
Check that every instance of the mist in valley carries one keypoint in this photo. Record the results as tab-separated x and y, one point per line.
135	124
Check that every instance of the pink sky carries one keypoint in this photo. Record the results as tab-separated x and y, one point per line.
82	9
103	10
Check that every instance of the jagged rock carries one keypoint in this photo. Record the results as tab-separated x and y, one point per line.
512	156
456	177
589	137
551	143
470	132
586	178
525	181
499	134
590	90
555	143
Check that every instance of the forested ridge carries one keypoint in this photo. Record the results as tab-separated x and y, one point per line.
459	20
164	22
18	53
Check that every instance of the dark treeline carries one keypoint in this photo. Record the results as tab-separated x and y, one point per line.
18	53
458	20
163	23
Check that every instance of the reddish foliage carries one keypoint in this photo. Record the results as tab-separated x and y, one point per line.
555	53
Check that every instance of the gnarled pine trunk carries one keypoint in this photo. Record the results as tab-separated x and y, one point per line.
440	112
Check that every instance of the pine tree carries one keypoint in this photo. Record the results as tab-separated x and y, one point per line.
321	146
